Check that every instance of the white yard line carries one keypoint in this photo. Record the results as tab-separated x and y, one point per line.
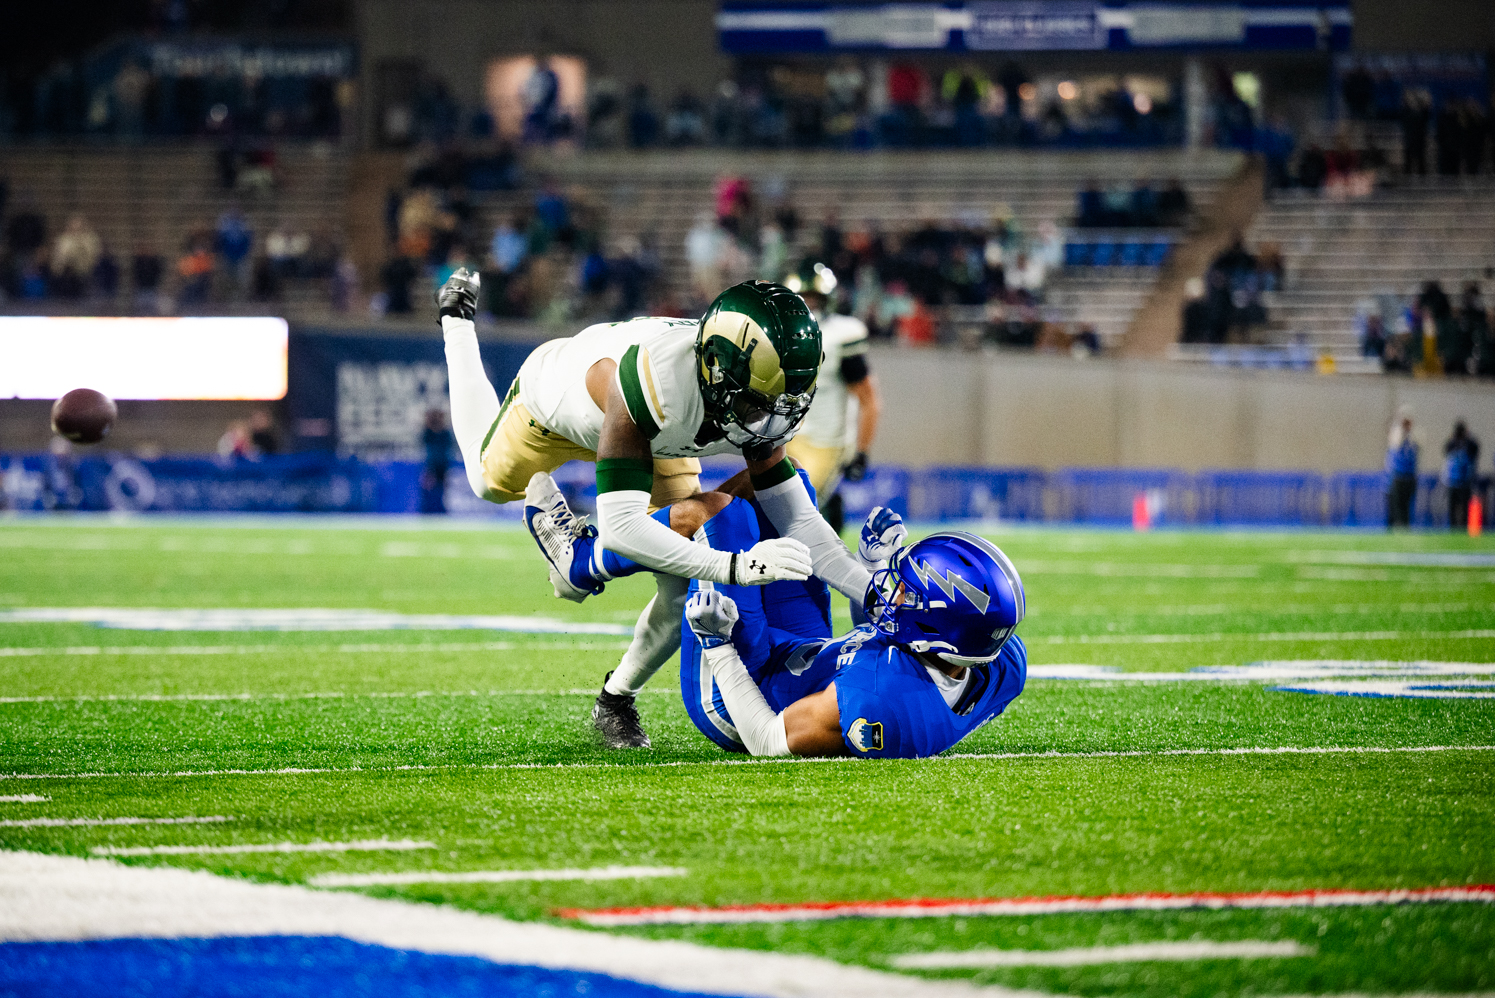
1245	949
1169	639
297	619
23	799
1269	671
365	845
1021	906
1416	559
767	761
493	876
1226	609
47	898
330	695
80	822
1139	569
340	649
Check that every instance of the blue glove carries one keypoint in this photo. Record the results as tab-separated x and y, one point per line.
882	534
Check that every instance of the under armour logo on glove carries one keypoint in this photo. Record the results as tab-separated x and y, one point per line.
773	560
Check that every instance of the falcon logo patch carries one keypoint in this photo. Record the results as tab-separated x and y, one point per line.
865	735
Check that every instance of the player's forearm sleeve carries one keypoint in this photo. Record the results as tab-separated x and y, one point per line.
625	526
788	507
761	730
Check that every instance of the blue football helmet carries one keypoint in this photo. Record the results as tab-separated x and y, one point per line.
952	594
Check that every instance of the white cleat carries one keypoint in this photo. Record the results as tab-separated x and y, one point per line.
556	529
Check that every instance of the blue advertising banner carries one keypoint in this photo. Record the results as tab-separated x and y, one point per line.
1035	25
367	396
746	27
320	482
315	482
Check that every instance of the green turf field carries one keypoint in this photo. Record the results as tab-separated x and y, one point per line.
473	746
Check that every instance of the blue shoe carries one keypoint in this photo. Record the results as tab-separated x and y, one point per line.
557	530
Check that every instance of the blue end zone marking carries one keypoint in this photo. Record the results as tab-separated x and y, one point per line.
1335	693
282	967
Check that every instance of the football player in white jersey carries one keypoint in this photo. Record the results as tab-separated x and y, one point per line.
645	399
823	446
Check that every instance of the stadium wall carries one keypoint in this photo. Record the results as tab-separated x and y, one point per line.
947	408
1008	410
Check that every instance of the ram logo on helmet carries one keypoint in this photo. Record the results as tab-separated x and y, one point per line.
757	352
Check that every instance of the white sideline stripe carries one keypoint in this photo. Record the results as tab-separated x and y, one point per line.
309	619
343	649
1246	949
330	695
56	898
365	845
1267	671
1169	639
24	799
1143	569
1255	672
1420	559
80	822
494	876
766	761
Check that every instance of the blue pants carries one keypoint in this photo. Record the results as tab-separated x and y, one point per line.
780	627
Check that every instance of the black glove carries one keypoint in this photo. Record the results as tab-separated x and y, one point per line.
458	297
855	469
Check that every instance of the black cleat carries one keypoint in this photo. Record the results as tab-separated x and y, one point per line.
615	716
458	297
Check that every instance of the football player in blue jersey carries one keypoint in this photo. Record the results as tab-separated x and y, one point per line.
937	658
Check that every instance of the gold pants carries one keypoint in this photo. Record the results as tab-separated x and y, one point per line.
519	446
822	464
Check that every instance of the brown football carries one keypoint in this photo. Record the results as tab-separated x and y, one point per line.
83	415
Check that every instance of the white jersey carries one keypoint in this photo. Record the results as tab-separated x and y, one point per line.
656	361
826	424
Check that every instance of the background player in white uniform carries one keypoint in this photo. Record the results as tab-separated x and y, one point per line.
644	399
825	446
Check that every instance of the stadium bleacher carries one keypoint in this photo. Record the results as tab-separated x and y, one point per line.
158	195
1338	254
663	193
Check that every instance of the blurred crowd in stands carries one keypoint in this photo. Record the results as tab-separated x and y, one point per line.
217	263
1141	205
846	103
1228	303
855	104
548	256
1432	334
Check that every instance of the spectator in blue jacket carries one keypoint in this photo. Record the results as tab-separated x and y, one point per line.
1401	465
1460	459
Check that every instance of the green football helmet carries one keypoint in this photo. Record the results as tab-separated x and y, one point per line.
757	355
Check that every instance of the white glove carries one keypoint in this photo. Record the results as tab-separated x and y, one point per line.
778	559
882	534
711	615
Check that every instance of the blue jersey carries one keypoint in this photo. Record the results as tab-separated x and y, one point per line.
891	708
889	704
